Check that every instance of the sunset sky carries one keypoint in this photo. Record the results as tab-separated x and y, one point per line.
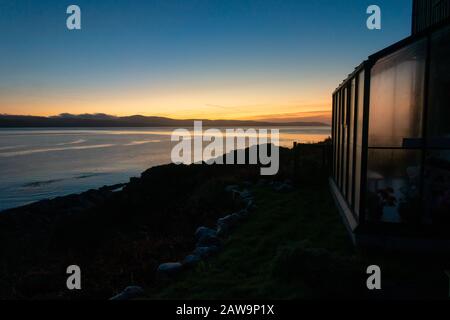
227	59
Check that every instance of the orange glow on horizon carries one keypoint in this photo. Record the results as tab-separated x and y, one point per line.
223	103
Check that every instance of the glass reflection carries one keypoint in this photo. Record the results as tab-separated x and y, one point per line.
393	186
439	93
437	187
396	99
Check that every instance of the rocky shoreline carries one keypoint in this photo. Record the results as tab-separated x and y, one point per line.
132	234
121	235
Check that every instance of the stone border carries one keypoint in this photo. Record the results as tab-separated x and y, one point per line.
209	242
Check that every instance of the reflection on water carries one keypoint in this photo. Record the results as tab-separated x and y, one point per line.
45	163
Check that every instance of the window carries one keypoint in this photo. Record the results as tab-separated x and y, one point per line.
344	162
439	90
396	99
437	187
335	136
359	108
393	186
338	142
351	144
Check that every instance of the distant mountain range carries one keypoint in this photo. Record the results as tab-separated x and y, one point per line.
105	120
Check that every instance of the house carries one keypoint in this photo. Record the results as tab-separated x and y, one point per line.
391	139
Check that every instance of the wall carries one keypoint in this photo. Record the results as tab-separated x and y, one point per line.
427	13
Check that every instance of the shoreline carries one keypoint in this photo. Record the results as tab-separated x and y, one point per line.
293	245
25	162
114	227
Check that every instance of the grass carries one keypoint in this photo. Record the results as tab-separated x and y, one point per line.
260	258
295	246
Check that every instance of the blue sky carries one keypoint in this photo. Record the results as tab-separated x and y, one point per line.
212	58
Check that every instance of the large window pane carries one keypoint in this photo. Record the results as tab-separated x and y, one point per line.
439	90
357	180
437	187
396	98
344	143
351	135
359	130
339	144
334	136
393	183
360	109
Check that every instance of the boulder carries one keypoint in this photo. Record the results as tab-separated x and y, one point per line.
170	268
131	292
246	195
204	231
236	194
191	260
205	252
222	231
231	188
283	187
228	222
243	213
225	224
250	206
209	240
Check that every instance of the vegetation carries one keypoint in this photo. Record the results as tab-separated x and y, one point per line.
293	245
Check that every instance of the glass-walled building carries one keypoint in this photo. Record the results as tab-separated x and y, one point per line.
391	142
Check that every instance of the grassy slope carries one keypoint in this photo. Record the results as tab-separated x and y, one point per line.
259	258
295	246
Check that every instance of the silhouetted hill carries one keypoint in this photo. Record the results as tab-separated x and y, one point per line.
104	120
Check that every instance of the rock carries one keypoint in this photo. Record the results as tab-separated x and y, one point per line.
209	240
250	206
231	188
191	260
204	231
243	213
247	201
170	268
222	231
236	216
246	195
283	187
228	221
131	292
205	252
225	224
236	194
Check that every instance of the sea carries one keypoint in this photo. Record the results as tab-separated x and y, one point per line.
45	163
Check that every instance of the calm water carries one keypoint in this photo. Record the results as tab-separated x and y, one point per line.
39	164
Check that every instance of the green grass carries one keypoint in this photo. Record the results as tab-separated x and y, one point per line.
295	246
260	259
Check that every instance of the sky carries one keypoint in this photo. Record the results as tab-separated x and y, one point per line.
216	59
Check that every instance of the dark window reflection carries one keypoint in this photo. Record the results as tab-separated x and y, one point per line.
359	131
351	145
437	187
439	90
393	183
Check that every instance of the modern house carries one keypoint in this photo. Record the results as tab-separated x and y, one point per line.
391	139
